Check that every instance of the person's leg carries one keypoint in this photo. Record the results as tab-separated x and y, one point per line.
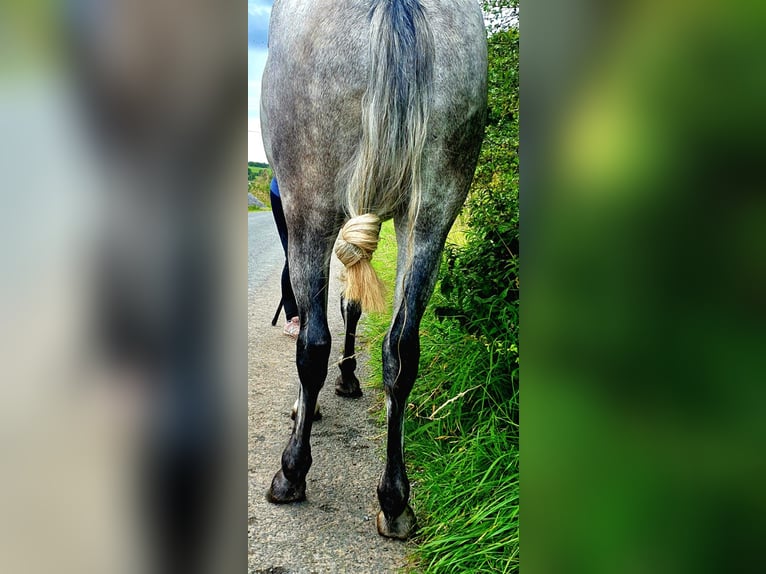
288	298
279	219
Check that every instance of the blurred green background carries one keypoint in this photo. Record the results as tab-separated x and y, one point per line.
644	287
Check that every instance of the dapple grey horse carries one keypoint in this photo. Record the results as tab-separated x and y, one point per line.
370	110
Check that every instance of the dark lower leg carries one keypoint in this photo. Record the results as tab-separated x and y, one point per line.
394	487
401	352
312	355
347	385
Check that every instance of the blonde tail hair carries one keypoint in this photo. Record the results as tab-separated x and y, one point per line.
386	172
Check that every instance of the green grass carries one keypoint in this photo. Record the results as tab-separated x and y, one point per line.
461	442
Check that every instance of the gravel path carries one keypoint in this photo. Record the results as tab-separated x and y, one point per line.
333	531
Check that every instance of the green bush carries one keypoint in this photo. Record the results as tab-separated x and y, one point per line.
479	279
259	183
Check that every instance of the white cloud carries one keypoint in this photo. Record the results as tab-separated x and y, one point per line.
256	61
255	151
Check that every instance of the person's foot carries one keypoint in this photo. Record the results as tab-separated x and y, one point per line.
293	327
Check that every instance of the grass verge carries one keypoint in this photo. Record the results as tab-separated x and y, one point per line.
461	441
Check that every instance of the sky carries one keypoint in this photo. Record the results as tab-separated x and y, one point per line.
258	12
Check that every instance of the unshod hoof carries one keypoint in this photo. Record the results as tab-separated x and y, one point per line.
283	492
401	527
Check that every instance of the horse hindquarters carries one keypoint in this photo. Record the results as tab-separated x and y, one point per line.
420	133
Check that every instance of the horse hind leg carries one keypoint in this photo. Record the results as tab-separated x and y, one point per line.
401	353
346	384
312	354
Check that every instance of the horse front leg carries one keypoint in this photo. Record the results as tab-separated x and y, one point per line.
347	385
312	355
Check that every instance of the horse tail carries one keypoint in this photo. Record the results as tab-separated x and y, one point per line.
385	175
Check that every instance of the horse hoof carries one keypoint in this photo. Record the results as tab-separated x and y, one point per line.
348	389
283	492
401	527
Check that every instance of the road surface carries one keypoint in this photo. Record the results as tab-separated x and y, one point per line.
333	531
